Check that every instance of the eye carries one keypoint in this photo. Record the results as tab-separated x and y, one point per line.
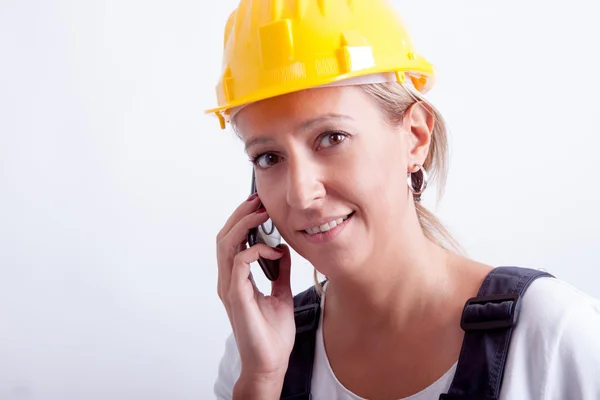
266	160
332	139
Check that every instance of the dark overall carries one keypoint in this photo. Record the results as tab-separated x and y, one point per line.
488	321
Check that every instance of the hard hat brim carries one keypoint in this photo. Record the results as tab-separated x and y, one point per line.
423	70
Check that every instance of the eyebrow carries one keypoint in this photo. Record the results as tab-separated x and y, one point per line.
323	118
305	125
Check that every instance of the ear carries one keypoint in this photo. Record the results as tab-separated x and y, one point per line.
418	122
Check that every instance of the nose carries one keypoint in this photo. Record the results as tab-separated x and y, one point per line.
304	185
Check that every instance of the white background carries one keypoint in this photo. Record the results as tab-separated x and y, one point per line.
113	183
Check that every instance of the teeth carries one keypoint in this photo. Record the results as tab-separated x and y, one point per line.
325	227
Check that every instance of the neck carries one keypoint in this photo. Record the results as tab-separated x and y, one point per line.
399	286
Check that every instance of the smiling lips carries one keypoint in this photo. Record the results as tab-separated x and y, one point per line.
326	226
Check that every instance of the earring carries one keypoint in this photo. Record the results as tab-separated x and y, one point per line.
417	182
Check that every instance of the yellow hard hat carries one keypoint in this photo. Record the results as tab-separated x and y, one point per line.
273	47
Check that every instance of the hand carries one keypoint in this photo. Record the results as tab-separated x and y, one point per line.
263	326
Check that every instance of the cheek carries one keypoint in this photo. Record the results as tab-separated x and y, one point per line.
272	196
380	165
380	187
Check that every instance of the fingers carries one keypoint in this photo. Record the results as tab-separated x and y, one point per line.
235	241
241	288
281	288
239	232
247	207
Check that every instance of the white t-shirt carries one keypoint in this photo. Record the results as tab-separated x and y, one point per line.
554	352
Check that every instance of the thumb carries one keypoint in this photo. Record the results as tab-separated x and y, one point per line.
281	288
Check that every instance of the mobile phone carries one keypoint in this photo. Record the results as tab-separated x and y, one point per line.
267	234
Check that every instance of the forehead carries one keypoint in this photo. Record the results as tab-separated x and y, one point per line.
290	111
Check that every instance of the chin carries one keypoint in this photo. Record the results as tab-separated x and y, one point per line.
334	252
335	263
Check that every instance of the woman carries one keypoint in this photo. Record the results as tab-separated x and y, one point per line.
328	99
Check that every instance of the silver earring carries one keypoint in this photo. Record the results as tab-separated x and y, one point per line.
417	182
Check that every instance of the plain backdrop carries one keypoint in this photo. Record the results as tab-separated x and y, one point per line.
114	184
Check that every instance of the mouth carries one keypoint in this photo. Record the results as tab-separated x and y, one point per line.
327	226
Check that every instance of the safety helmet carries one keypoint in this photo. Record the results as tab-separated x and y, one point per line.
274	47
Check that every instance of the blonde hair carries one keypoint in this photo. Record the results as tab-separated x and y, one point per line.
395	98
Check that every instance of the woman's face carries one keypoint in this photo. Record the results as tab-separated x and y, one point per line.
331	172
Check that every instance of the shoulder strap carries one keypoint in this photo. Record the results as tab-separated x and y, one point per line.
297	382
488	321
